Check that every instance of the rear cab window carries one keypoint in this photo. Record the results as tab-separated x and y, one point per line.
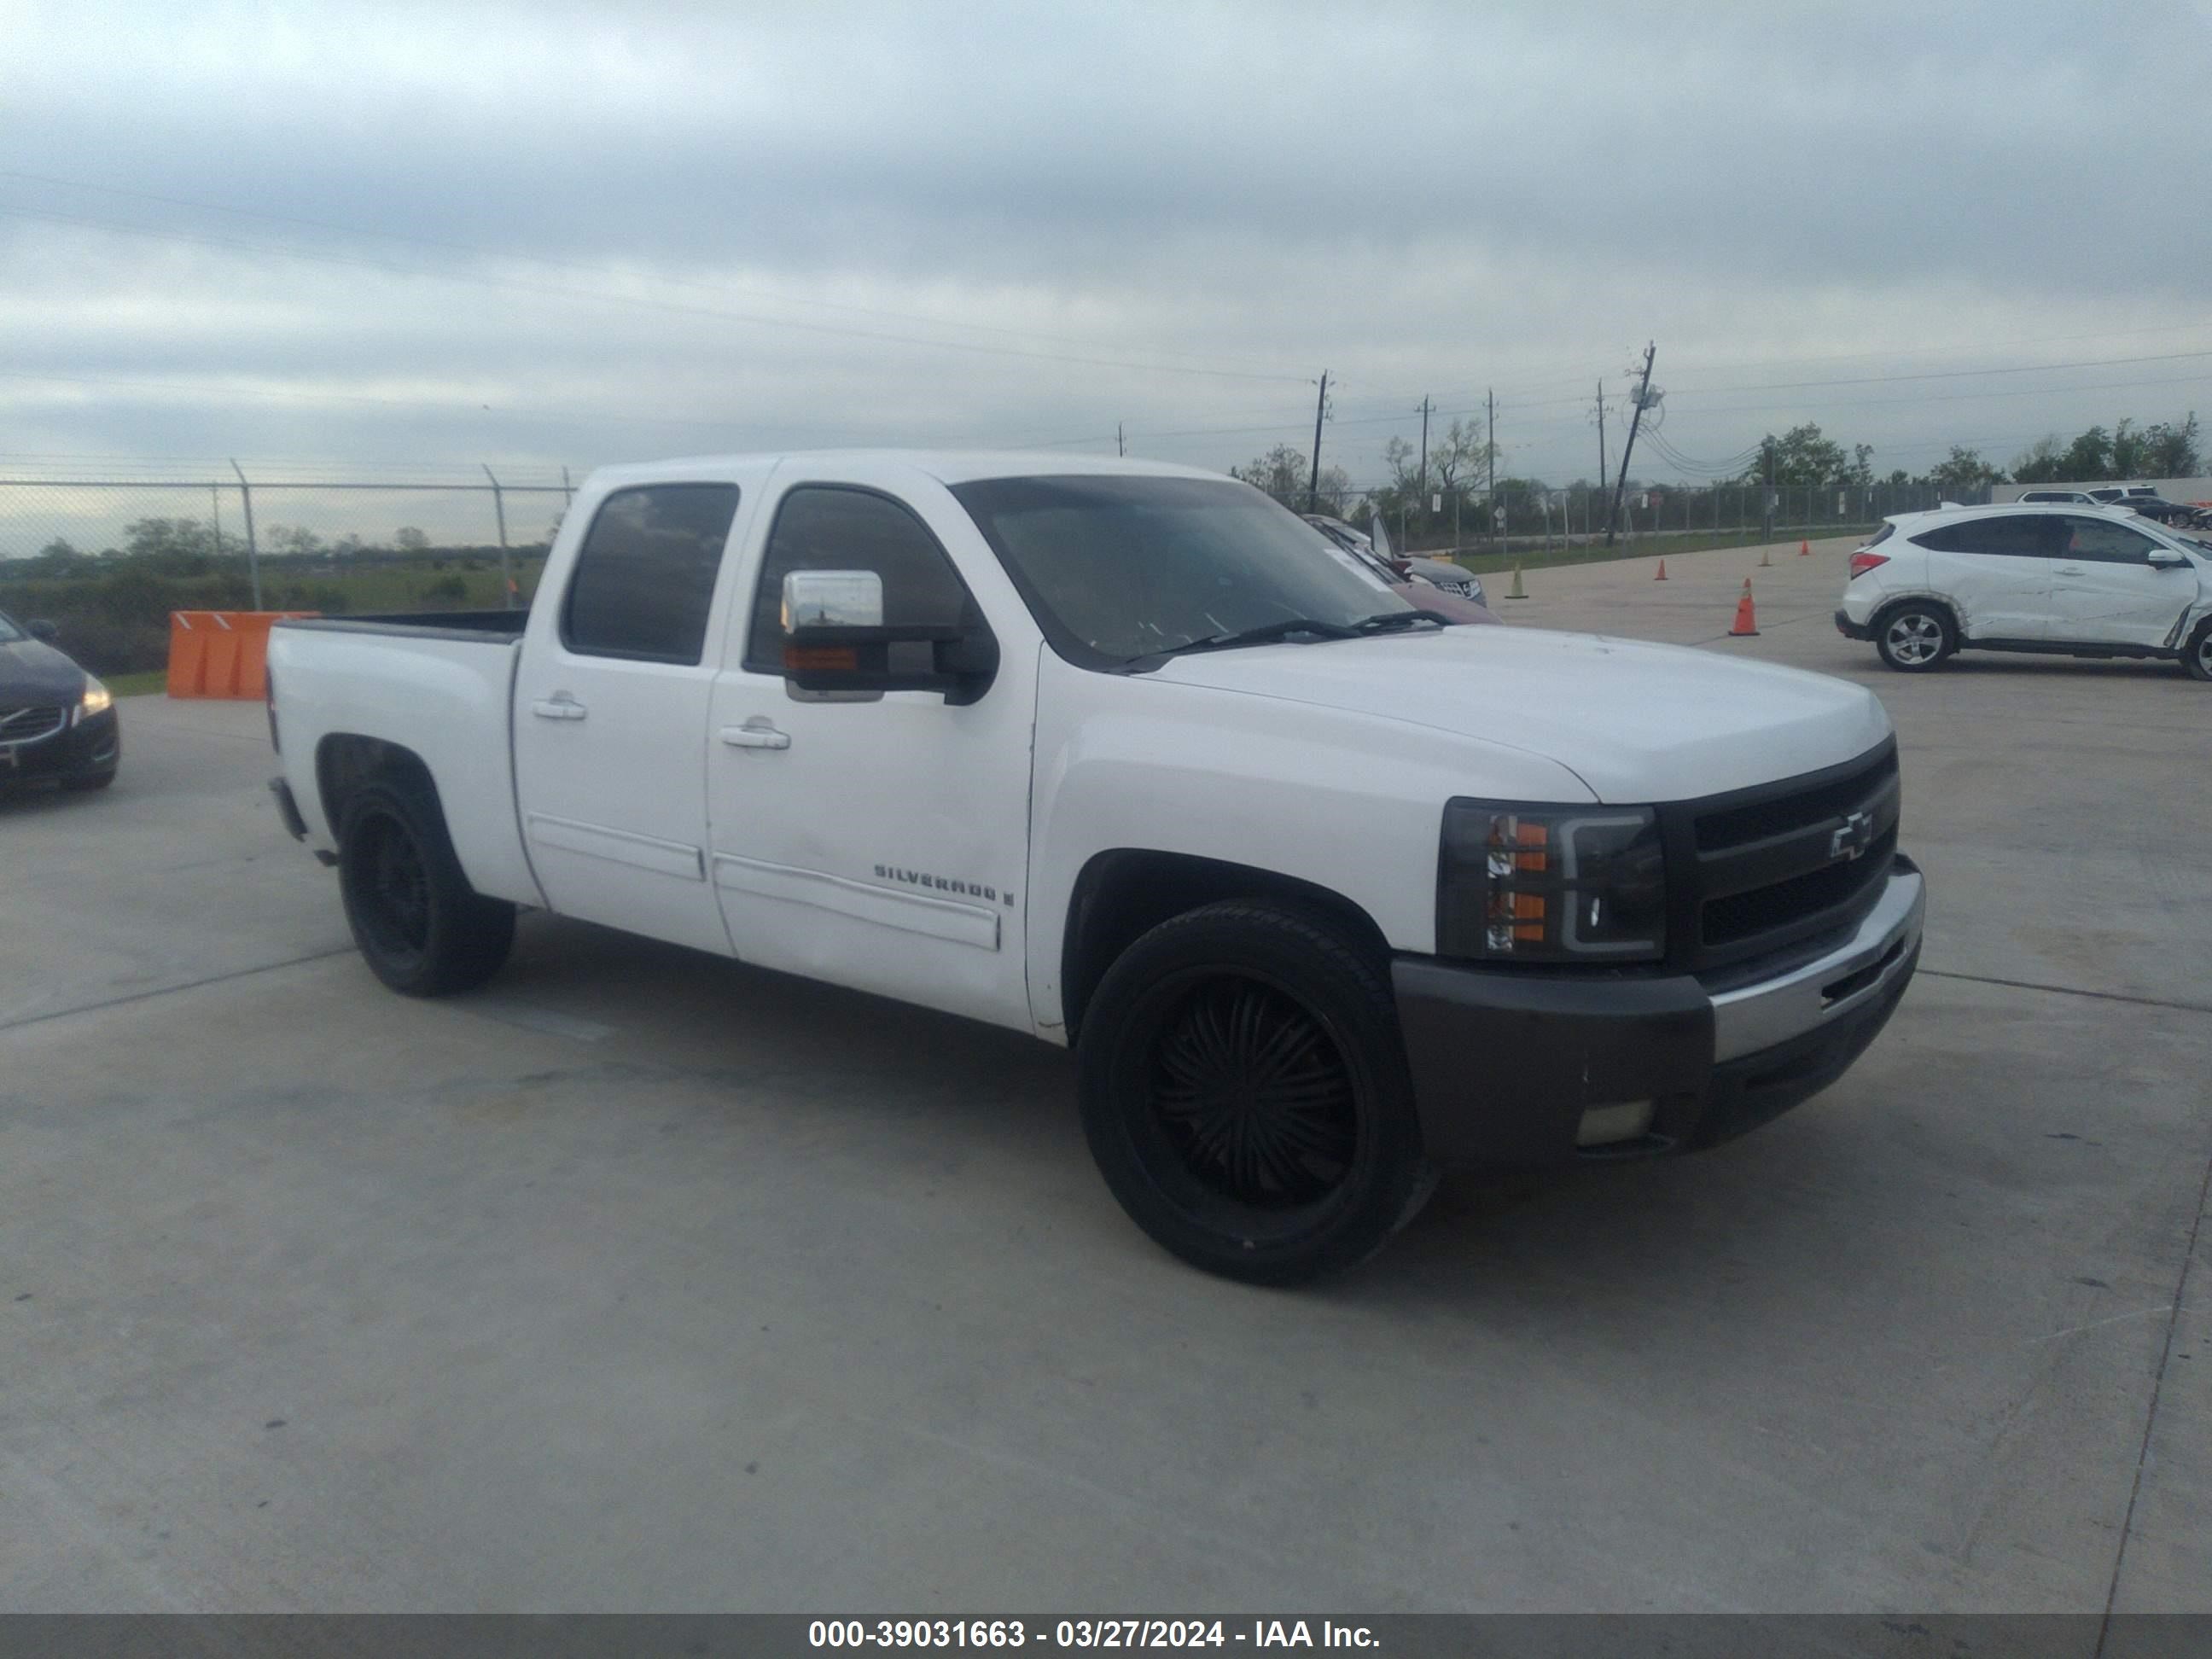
643	583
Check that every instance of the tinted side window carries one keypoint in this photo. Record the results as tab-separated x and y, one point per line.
829	528
2103	541
645	577
2023	536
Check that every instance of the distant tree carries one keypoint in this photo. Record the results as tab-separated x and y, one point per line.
2089	457
1963	470
1861	476
1461	457
408	540
175	547
58	558
1800	455
291	539
2170	450
1282	472
2042	462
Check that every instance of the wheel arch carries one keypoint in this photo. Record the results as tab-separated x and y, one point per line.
344	761
1123	893
1889	607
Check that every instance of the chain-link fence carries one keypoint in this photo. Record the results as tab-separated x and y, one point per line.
107	559
1519	519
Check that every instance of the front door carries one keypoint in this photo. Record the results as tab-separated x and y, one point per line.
611	707
876	839
2105	592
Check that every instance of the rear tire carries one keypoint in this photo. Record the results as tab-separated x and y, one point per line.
1915	637
2196	656
1245	1093
421	928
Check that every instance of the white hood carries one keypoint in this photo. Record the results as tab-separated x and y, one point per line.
1637	722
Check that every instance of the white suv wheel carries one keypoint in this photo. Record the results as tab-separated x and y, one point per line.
1913	639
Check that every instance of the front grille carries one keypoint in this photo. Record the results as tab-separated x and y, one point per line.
1744	916
1784	862
1734	826
29	725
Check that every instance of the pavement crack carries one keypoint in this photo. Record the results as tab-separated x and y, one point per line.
2070	991
173	990
2150	1417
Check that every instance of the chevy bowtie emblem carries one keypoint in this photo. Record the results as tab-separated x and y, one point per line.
1851	838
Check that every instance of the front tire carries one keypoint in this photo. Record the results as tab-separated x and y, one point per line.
1245	1093
89	781
421	928
1913	638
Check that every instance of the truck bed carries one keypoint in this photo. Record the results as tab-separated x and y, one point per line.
499	626
438	683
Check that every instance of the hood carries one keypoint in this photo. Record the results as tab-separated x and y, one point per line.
1637	722
31	672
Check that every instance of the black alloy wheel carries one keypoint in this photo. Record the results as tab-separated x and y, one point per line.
1245	1093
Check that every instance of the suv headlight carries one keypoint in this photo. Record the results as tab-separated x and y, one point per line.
97	699
1550	883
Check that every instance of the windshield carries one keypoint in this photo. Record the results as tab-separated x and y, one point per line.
1116	568
9	632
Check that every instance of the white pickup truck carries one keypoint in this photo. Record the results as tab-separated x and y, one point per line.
1325	892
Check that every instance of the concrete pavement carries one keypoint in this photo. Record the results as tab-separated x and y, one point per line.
643	1279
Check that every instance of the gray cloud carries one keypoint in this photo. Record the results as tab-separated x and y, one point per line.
1423	199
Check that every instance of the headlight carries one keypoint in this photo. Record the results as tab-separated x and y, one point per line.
1550	883
97	699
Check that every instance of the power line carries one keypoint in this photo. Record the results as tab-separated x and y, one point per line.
479	252
639	301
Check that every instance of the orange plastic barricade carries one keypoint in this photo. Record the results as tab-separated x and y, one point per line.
221	654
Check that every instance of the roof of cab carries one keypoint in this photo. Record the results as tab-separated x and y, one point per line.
948	466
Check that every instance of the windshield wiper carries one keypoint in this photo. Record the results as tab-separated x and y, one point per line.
1388	621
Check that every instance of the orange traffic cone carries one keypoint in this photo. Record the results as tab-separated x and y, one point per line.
1662	576
1804	548
1746	619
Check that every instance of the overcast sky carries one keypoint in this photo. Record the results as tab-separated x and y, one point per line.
376	238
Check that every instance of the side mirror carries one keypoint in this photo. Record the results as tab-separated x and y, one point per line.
2160	560
41	629
835	639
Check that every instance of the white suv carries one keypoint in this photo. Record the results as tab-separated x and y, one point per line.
2072	580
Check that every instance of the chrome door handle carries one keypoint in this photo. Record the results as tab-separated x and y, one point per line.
2069	569
558	708
752	735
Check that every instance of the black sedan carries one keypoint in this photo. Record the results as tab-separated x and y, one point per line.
55	720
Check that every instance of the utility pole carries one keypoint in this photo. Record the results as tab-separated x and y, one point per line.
1766	512
1643	392
1313	478
1121	444
1489	449
1601	432
1425	448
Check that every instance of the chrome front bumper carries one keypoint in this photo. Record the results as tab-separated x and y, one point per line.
1855	973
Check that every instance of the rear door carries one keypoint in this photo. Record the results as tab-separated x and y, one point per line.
2105	592
876	839
610	711
1994	572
